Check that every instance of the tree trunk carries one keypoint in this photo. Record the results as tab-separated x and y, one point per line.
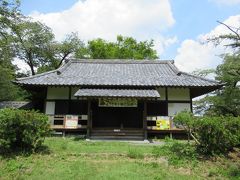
30	62
63	58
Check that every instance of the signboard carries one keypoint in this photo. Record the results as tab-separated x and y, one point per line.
71	121
118	102
163	123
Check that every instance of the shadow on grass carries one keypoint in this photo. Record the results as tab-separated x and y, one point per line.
43	150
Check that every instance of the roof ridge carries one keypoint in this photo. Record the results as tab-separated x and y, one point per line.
122	61
37	75
115	88
60	69
174	68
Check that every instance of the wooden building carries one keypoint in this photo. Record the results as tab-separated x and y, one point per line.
126	99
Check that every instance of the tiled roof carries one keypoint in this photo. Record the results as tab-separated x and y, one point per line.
118	73
15	104
137	93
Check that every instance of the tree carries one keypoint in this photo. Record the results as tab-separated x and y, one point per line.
233	37
68	47
226	101
123	48
31	42
58	52
8	14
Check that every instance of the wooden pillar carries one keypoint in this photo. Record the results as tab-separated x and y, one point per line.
166	96
89	123
145	119
191	100
69	98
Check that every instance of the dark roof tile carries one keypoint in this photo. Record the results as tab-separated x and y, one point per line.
118	73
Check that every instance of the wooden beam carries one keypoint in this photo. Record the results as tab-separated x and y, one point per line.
166	94
145	119
69	98
191	101
89	123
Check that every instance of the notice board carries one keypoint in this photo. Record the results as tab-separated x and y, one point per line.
71	121
163	123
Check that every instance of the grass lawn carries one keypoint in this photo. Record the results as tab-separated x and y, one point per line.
70	158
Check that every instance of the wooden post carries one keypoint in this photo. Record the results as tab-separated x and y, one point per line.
89	123
166	96
191	101
145	119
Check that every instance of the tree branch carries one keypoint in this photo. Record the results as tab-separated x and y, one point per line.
63	58
230	29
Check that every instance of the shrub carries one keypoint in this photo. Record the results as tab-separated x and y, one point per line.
213	135
234	171
217	135
178	153
22	130
185	119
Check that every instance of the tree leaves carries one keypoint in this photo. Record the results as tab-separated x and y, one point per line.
123	48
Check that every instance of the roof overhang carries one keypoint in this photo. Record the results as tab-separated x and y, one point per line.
118	93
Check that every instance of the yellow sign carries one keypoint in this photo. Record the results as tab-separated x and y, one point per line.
162	124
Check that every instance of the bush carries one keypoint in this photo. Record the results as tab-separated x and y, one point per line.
22	130
234	171
178	153
184	119
217	135
213	135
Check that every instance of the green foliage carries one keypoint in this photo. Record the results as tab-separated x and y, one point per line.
123	48
178	153
135	154
58	52
232	38
217	135
234	170
7	91
228	72
213	135
22	130
32	41
203	72
185	118
225	101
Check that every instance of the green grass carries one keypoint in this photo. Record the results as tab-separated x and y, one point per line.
69	158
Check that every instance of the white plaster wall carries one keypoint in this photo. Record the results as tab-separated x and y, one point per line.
162	92
178	94
57	93
50	107
174	108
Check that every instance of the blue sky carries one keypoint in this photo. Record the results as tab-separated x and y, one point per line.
175	25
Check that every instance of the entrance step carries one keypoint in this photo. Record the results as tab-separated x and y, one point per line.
117	134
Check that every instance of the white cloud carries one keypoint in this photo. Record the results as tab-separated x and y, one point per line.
226	2
193	54
141	19
23	66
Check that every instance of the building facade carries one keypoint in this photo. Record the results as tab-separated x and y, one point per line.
116	98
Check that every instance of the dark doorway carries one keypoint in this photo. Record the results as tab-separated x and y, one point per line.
117	117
